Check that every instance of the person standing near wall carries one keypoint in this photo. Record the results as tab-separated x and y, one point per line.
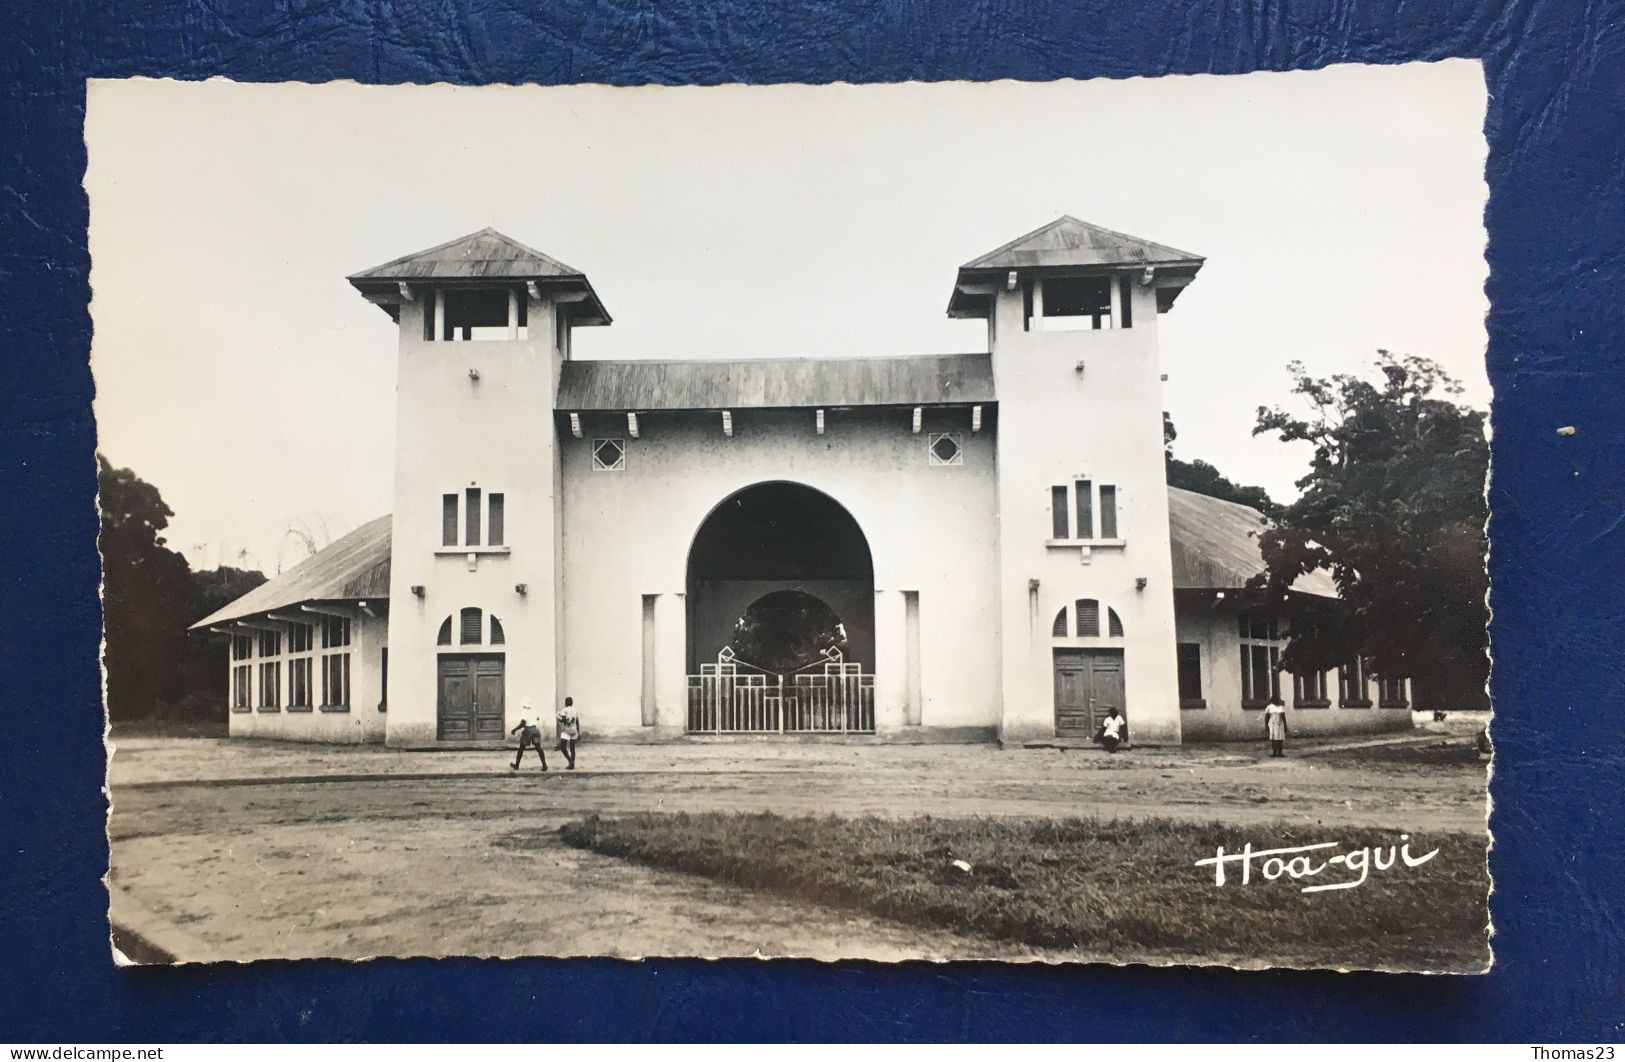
1275	726
569	728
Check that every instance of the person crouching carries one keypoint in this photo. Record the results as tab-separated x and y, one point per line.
1113	730
530	737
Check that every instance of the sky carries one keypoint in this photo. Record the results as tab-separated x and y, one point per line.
1340	211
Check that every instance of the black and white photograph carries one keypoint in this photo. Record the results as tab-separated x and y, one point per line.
1039	522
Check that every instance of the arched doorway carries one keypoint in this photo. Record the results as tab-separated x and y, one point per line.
781	571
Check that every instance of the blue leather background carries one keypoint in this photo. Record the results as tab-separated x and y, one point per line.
1556	217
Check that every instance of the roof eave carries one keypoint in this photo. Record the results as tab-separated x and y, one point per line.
385	292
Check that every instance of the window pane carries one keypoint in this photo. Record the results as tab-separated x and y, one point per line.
1114	625
1088	618
1057	510
444	637
471	521
448	519
495	516
471	622
608	455
1058	629
1108	512
1125	292
1190	671
1085	493
1247	674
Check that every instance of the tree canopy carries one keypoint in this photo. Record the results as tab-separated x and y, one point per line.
786	630
1393	507
1203	478
149	597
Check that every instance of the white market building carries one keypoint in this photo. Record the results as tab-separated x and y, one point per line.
972	547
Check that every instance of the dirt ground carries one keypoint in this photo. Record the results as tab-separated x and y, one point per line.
241	850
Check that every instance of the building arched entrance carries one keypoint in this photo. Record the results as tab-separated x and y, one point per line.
781	629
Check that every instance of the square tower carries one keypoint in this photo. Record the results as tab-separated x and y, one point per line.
1085	574
485	327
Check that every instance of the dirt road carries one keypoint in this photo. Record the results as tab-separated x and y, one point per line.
250	850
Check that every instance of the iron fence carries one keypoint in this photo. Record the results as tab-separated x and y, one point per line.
829	696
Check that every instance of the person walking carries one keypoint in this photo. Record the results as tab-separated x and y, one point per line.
569	728
1275	726
530	737
1113	730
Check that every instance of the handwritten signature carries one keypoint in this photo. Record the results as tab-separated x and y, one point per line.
1296	864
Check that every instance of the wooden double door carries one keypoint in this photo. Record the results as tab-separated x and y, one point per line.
470	703
1087	683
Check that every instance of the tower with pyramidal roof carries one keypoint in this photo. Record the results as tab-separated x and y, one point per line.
1085	578
485	325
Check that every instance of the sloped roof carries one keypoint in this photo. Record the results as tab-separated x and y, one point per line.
483	255
1068	242
775	383
486	255
353	568
1215	545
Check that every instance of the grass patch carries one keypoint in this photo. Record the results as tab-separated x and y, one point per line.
1123	888
1447	753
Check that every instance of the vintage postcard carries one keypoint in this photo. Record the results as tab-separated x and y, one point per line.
1040	522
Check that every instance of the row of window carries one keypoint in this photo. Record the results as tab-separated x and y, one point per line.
1073	509
470	513
1261	681
301	660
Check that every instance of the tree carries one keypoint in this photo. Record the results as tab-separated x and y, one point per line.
1203	478
197	688
786	630
1393	507
147	593
150	595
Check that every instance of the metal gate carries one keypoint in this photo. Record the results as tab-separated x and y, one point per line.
829	696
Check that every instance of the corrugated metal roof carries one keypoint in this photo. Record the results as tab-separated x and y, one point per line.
1215	545
769	383
1066	241
354	568
483	255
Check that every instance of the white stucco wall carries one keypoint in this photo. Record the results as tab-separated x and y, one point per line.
1103	424
930	529
452	433
1217	631
363	722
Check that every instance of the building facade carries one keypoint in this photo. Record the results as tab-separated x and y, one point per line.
968	547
